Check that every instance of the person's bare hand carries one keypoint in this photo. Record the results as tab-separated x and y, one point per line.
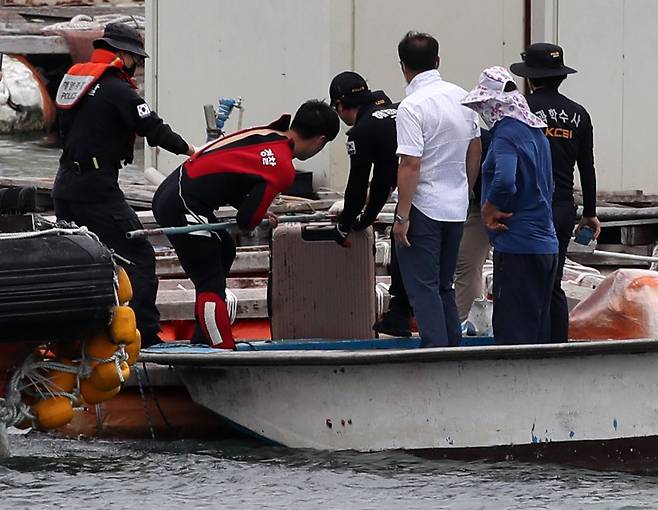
592	222
400	231
273	219
493	218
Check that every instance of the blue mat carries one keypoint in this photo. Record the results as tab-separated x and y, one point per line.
312	345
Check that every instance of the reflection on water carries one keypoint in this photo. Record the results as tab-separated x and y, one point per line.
186	474
32	155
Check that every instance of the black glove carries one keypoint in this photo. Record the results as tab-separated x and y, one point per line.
341	236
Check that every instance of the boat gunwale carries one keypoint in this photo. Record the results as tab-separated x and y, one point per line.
221	358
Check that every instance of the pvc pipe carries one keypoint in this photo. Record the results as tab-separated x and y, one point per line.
627	256
153	176
210	227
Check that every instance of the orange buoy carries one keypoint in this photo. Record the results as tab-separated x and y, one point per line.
106	377
100	346
53	412
124	325
93	396
132	350
60	380
125	290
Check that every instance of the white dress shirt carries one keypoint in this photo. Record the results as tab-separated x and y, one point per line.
434	126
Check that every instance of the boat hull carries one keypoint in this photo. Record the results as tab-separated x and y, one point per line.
437	400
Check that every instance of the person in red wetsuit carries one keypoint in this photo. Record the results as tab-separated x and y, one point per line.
245	170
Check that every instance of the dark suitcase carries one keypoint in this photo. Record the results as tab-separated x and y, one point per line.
319	289
54	287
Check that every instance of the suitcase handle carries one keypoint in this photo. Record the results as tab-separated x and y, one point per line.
315	233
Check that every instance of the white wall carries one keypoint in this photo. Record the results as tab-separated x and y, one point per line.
278	54
613	45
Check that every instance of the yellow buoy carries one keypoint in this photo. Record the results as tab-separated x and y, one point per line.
93	396
53	412
59	380
105	376
123	328
125	290
132	350
100	346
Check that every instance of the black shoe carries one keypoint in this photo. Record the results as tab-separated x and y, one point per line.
394	323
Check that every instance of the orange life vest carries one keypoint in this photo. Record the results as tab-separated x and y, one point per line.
82	77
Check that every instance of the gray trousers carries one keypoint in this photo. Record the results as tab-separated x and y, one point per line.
473	252
428	268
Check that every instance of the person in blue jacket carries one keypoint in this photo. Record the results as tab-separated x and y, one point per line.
517	188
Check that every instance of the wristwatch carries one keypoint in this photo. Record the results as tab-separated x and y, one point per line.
401	219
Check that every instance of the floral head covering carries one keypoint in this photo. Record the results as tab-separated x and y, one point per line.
492	103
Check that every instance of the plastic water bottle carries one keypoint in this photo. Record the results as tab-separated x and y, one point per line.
223	111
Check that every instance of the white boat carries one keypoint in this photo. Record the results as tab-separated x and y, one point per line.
588	403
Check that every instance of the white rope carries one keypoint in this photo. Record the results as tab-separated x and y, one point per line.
381	290
385	248
231	305
84	22
29	379
49	232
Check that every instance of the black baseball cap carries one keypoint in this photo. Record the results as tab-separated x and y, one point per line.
542	60
349	87
122	37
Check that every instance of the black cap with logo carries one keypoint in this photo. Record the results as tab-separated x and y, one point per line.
542	60
350	88
122	37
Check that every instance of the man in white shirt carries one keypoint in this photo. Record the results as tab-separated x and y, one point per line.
439	149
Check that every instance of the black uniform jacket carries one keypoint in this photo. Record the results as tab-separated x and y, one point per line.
571	138
99	134
371	143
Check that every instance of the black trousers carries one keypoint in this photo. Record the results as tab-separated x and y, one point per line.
399	298
110	222
522	290
206	257
564	219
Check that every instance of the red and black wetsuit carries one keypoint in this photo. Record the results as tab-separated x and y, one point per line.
245	170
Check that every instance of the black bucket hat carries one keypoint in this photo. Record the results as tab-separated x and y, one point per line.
542	60
349	86
122	37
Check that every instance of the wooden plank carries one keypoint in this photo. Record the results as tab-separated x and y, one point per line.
623	197
633	235
624	223
248	260
178	303
33	44
590	259
252	282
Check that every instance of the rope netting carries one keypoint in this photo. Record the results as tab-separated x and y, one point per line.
42	373
85	22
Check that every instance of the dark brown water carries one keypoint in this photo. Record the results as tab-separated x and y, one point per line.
28	156
55	473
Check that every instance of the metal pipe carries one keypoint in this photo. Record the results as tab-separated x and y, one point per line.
210	227
627	256
623	213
